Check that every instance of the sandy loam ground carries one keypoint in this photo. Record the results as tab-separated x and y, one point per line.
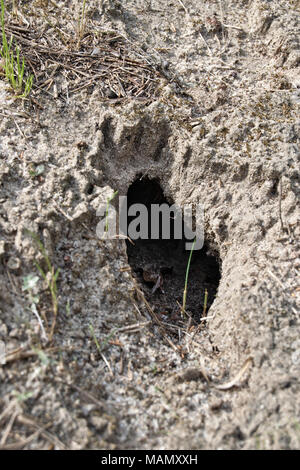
218	126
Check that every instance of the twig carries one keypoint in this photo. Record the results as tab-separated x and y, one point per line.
23	419
107	363
231	26
222	18
19	444
276	278
68	217
21	354
12	404
150	310
135	327
137	309
44	336
18	127
209	49
236	380
8	428
117	60
185	9
279	202
86	395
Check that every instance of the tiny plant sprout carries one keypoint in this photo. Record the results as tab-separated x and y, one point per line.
11	64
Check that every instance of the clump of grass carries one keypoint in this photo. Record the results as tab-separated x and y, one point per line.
50	276
12	65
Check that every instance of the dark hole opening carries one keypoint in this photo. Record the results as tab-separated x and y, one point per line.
160	265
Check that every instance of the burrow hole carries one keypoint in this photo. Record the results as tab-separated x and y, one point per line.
160	265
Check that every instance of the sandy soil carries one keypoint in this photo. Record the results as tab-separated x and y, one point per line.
202	96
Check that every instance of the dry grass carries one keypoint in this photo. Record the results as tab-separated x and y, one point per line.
105	59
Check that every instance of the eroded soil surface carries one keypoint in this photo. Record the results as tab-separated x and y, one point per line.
202	98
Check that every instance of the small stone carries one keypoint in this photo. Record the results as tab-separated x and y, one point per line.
2	248
216	404
99	422
13	263
3	330
86	409
189	374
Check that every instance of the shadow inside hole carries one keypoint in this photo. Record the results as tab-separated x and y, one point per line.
160	265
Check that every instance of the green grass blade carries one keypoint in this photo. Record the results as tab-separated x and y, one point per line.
187	277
